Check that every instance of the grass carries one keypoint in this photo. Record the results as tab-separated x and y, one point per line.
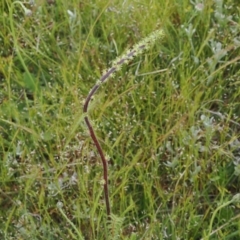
169	120
116	66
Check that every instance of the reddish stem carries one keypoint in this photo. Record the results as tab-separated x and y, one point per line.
92	133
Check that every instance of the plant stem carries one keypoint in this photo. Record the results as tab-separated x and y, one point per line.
104	163
136	50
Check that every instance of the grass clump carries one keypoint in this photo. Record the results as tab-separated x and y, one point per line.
169	120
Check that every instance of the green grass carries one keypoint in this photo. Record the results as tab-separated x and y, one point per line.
169	120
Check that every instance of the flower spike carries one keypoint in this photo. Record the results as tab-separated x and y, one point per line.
137	49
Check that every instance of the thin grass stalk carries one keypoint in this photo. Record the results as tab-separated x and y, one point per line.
117	64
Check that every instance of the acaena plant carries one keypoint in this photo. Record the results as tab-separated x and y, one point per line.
137	49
